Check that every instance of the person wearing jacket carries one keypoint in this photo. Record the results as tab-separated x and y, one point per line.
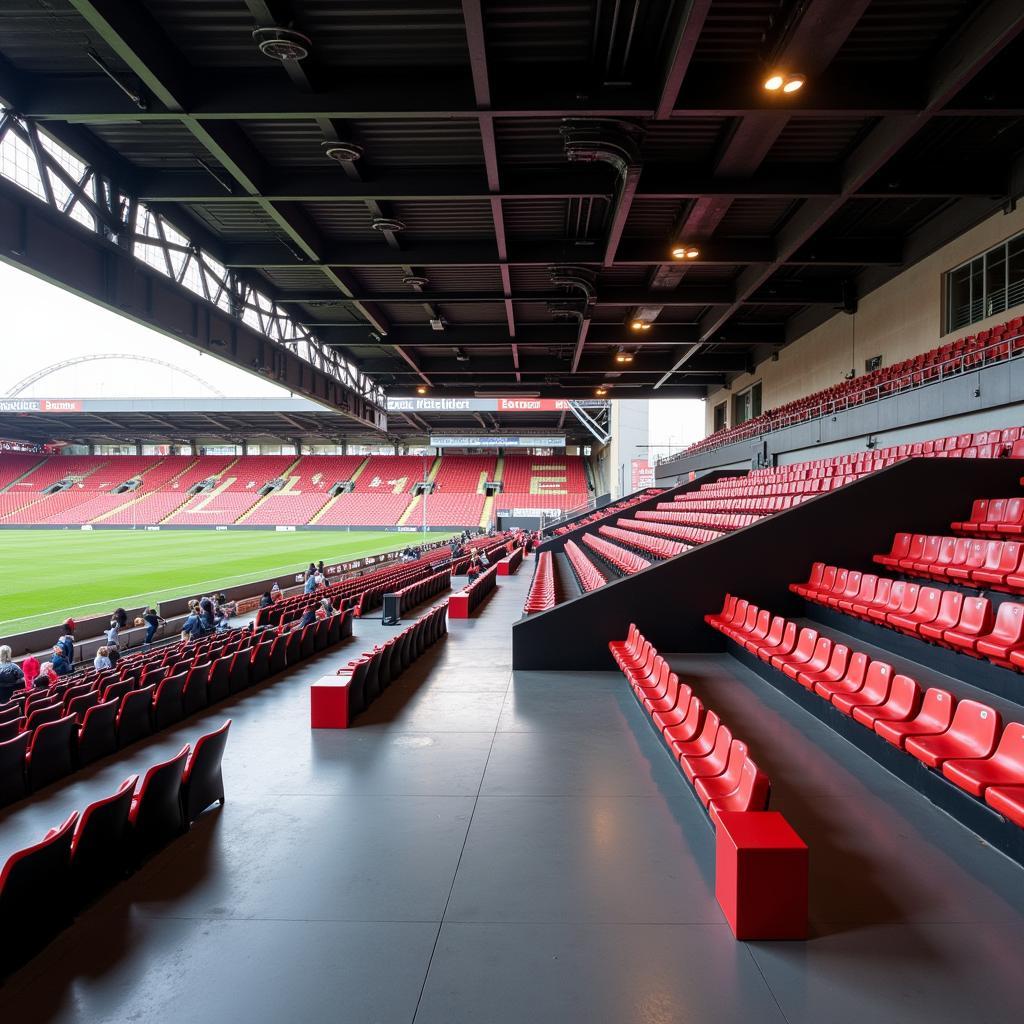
60	663
11	676
30	667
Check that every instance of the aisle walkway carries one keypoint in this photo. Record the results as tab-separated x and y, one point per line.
495	847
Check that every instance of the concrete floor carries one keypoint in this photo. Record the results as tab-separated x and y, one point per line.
494	847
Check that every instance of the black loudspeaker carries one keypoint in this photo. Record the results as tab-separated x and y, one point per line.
392	615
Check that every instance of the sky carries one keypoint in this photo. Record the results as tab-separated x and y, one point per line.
73	327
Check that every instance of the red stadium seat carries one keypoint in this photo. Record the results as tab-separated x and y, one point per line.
971	733
1005	766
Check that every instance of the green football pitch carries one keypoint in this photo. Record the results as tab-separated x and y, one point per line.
51	574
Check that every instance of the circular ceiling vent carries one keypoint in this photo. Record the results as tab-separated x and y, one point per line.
343	152
282	44
415	281
387	224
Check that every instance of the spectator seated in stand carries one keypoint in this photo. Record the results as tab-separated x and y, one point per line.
102	659
30	668
275	592
308	617
11	676
59	662
67	644
46	676
265	599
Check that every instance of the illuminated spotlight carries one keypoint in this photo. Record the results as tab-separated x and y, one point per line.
640	325
600	392
421	390
783	81
685	252
623	357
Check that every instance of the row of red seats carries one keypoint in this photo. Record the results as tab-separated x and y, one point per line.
658	547
118	713
609	510
718	766
371	673
625	561
993	517
964	739
723	522
588	575
967	561
754	499
541	595
42	886
992	345
416	593
944	617
670	530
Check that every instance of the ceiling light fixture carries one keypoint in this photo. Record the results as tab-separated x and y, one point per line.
283	44
685	252
641	325
421	389
622	356
387	224
601	390
342	152
415	281
783	81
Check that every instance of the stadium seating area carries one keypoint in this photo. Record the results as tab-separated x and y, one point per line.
543	481
43	886
964	740
968	353
717	764
382	492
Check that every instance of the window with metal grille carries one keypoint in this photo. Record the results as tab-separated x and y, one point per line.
985	286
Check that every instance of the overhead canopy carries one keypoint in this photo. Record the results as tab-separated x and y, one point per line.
487	194
210	421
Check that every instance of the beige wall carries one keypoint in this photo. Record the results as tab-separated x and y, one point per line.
901	319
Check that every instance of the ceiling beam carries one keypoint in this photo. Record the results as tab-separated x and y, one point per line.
131	32
244	94
476	41
689	25
284	253
987	34
657	181
686	295
808	42
558	335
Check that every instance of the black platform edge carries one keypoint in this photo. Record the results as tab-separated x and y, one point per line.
669	599
974	814
976	672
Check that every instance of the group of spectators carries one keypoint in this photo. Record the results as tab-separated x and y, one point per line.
206	615
31	674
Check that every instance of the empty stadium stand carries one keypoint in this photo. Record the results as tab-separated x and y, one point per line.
993	345
270	490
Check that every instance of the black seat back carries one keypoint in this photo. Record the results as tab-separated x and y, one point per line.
98	735
51	752
203	781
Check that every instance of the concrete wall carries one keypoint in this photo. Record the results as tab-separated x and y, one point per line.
899	320
630	427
